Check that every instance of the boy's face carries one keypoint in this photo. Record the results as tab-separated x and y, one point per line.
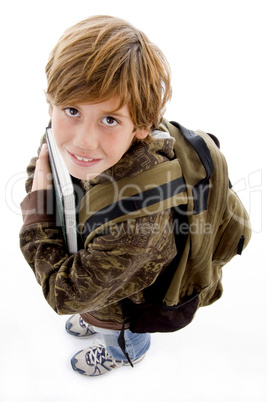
91	138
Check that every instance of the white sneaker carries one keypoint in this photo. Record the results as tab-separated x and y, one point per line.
95	361
76	326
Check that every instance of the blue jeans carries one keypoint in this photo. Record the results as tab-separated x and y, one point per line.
136	344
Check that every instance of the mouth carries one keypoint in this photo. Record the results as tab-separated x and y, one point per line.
83	161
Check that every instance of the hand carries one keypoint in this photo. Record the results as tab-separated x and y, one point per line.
42	177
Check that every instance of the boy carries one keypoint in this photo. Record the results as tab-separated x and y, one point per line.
107	89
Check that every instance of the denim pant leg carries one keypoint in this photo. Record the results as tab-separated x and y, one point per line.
136	344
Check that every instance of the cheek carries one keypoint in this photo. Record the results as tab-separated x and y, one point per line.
109	147
61	132
117	146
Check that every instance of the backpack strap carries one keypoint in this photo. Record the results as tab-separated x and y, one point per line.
199	146
200	190
150	191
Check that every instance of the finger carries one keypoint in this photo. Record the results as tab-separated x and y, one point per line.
44	151
43	161
42	177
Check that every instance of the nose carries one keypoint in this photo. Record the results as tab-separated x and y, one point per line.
86	137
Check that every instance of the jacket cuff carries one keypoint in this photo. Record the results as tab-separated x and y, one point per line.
38	206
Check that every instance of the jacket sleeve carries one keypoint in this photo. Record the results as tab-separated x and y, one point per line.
117	264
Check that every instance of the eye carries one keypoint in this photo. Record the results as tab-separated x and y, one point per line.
71	112
110	121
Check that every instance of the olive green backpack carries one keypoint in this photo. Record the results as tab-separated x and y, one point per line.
210	225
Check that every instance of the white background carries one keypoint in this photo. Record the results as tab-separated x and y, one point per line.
217	52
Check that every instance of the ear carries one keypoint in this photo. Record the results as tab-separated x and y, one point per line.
141	134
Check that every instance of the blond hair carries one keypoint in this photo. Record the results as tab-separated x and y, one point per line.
104	56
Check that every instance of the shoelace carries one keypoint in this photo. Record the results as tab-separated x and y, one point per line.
86	326
98	355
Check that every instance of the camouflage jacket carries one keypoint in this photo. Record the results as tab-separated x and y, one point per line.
117	264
